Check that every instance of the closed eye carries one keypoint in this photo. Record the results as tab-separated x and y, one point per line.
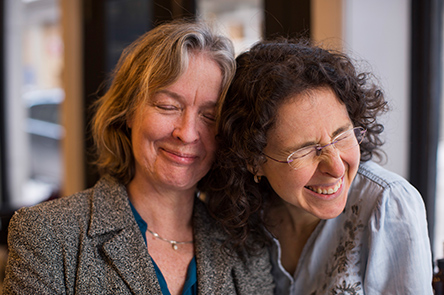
209	117
167	107
300	153
345	136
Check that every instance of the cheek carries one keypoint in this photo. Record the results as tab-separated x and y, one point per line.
285	180
354	158
141	135
208	136
156	127
301	177
290	186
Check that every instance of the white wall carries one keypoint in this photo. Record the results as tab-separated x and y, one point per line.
378	31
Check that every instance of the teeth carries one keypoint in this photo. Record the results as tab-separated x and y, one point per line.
326	191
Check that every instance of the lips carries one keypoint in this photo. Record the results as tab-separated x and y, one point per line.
326	190
181	157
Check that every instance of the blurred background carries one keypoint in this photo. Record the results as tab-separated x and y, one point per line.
56	53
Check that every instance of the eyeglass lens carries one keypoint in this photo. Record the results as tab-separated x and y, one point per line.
342	142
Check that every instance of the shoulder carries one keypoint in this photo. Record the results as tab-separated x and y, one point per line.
43	234
382	196
52	213
70	212
387	196
254	275
396	229
373	172
206	232
375	182
220	269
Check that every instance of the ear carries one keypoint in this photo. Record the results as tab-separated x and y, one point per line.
259	171
129	121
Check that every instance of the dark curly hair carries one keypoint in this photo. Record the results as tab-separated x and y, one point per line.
268	75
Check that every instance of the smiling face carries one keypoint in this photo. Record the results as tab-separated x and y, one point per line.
319	189
173	133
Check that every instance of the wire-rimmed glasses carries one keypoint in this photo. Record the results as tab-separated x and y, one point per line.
307	155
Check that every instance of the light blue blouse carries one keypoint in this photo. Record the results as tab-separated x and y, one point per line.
378	245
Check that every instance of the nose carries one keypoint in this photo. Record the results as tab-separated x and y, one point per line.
185	128
330	162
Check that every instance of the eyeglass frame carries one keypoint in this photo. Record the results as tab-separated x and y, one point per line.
318	147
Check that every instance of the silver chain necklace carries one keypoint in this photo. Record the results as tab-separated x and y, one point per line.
173	243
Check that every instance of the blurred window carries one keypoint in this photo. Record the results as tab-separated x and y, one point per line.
34	54
438	247
240	20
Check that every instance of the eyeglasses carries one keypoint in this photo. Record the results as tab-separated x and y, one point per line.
307	155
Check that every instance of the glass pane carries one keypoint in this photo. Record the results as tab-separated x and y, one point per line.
241	20
126	20
438	246
34	96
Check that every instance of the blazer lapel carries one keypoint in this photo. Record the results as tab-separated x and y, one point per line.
130	257
111	214
214	268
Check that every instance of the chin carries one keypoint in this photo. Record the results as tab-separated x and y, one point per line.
330	213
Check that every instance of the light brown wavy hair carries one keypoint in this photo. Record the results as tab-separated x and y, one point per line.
153	62
267	76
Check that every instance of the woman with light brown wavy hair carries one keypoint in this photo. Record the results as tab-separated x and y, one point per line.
142	228
298	133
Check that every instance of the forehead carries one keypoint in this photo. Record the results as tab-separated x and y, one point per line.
309	116
202	78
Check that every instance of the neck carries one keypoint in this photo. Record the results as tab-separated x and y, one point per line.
166	212
294	220
292	227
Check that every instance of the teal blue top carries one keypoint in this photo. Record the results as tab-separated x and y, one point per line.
190	287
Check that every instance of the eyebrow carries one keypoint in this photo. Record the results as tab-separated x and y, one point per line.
341	129
333	135
180	98
171	94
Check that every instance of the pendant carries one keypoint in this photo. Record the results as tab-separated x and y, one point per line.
174	245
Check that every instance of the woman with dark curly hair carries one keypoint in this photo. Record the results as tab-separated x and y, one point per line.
142	229
297	134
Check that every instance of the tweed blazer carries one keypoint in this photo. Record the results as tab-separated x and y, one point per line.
90	243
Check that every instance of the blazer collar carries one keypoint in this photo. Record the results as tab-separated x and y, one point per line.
124	245
110	207
125	248
214	267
